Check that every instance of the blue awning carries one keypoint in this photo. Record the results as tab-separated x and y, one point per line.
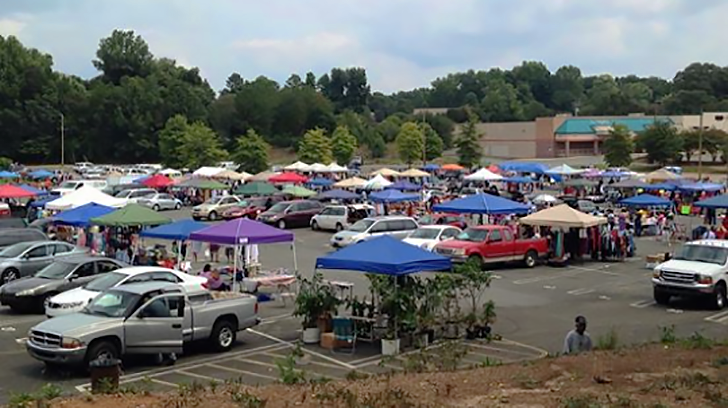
176	231
81	216
385	256
36	191
483	204
646	200
40	174
337	195
404	185
720	201
523	167
393	196
518	180
710	187
431	167
43	201
320	182
659	186
8	174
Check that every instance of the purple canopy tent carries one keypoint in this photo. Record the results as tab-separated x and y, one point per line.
243	231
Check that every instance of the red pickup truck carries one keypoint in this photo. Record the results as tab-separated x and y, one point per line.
493	244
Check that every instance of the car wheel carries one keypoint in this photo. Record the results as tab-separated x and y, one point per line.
177	206
104	350
661	298
339	227
196	218
530	259
155	207
314	226
9	275
212	216
223	336
281	224
719	296
41	306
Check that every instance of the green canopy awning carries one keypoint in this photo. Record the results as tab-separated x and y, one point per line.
298	191
132	215
203	184
257	188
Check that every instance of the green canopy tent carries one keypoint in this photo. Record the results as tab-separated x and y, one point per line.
203	184
258	188
130	216
298	191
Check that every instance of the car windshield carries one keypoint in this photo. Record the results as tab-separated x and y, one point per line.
427	220
69	184
15	250
361	225
278	208
703	253
56	270
213	201
114	303
425	233
108	280
123	193
473	235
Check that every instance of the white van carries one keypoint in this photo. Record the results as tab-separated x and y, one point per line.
340	217
69	186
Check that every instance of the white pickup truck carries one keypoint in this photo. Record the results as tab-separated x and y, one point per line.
698	270
142	318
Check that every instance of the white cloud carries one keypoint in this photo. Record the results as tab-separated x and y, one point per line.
10	26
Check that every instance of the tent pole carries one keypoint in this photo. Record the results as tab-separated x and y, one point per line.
295	259
236	251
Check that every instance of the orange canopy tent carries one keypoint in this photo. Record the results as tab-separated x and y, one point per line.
452	167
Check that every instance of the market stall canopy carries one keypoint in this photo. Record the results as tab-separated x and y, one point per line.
208	171
256	188
695	187
320	182
393	196
171	172
176	231
386	172
42	202
132	215
298	191
318	168
661	175
562	216
158	181
720	201
564	170
297	166
629	183
335	168
544	199
616	174
431	167
580	183
483	175
337	195
518	180
414	173
264	176
81	216
12	191
592	173
660	186
378	182
242	231
202	184
34	190
288	177
232	175
482	204
385	256
452	167
405	186
354	182
83	196
8	174
40	174
646	200
523	167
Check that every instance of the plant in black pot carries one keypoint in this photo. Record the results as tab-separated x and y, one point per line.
315	301
429	300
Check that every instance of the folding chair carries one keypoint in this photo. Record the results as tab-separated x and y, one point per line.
344	332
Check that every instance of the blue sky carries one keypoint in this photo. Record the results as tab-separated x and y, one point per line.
402	43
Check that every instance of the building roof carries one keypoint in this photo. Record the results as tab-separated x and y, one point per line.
580	126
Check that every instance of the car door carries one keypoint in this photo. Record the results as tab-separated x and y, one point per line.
294	215
35	259
496	248
166	201
84	273
379	228
61	249
323	219
310	208
227	203
156	327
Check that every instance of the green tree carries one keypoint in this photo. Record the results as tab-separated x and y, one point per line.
410	143
618	147
662	143
171	138
389	128
251	152
468	143
343	145
200	147
5	163
691	142
433	142
123	54
315	147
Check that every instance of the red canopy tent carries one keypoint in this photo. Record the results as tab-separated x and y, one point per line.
11	191
288	177
494	168
158	181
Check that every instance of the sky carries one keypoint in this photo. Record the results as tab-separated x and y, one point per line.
403	44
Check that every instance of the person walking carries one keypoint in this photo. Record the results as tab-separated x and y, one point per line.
578	340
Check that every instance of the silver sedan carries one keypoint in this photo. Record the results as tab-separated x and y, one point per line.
160	201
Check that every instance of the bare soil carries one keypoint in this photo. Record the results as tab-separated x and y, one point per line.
647	376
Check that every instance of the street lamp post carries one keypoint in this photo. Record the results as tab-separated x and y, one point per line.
63	141
700	148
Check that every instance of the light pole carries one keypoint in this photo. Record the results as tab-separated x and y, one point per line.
700	148
63	141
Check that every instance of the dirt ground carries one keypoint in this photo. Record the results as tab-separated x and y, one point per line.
689	375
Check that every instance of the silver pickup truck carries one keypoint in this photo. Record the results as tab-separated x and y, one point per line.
142	318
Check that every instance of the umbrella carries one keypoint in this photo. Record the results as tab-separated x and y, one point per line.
322	182
297	166
288	178
385	172
256	188
453	167
405	186
8	174
11	191
378	182
298	191
337	195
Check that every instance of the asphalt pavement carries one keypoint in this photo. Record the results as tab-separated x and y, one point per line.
536	307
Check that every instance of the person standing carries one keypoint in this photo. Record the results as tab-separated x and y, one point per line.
578	340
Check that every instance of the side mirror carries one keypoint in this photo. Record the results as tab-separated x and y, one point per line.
72	277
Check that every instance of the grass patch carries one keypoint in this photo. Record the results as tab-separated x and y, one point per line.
608	341
667	334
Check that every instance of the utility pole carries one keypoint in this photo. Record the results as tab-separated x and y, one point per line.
424	140
700	148
63	141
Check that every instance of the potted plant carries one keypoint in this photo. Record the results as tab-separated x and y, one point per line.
314	301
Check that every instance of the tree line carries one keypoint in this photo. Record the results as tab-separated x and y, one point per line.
144	108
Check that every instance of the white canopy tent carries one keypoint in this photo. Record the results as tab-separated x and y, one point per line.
335	168
564	170
83	196
354	182
297	166
318	168
171	173
208	171
378	182
483	175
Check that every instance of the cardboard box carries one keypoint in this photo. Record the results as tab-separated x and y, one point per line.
328	340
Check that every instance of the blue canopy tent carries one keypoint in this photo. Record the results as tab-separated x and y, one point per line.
385	256
42	202
614	174
337	195
482	204
8	174
646	200
430	167
81	216
404	185
38	192
659	186
393	196
40	174
524	167
709	187
176	231
518	180
320	182
716	202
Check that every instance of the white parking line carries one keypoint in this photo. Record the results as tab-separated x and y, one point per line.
241	372
643	304
154	380
721	318
546	277
200	376
579	292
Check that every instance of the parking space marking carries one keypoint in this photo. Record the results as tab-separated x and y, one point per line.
365	360
241	372
339	366
643	304
200	376
579	292
260	363
160	382
600	270
546	277
313	353
720	318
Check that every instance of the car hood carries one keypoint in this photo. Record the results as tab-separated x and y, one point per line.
453	243
419	241
39	284
75	323
346	234
74	295
704	268
266	214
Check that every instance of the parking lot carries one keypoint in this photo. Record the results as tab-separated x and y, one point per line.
535	307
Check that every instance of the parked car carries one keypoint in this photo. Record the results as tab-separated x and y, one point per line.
70	186
251	207
455	220
75	300
160	201
427	236
395	226
287	214
27	258
585	206
213	208
10	236
488	244
340	217
31	293
142	318
134	195
115	189
5	211
697	271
